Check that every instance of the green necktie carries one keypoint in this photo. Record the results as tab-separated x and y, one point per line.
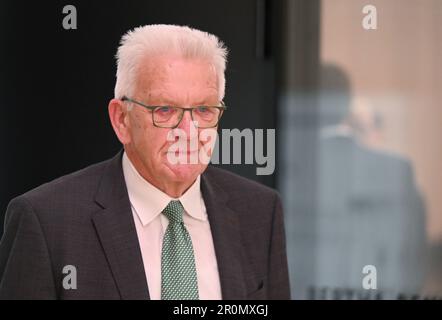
178	272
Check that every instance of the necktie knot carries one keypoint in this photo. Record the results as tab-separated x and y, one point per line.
174	211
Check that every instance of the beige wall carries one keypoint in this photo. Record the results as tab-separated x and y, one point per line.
398	68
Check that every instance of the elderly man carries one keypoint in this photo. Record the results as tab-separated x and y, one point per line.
142	225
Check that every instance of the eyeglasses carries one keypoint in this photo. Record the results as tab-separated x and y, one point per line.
170	116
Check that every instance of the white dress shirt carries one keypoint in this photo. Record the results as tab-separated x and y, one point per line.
147	203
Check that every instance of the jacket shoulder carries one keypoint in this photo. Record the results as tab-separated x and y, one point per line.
73	191
81	179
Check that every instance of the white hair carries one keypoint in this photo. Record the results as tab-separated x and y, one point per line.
157	40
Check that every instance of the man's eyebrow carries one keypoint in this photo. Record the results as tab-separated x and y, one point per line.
162	99
203	103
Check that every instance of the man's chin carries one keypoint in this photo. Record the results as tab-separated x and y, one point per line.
185	172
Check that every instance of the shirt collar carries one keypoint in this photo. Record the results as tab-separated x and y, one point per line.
149	201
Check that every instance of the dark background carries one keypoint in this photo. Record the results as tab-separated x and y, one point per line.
55	84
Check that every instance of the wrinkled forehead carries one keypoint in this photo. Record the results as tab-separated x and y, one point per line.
176	73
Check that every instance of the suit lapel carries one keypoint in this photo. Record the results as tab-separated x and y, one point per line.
226	235
117	233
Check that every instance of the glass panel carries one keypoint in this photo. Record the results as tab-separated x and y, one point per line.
373	225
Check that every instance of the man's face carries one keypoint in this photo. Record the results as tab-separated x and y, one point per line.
169	82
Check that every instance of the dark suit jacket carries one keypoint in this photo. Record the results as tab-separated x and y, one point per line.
84	219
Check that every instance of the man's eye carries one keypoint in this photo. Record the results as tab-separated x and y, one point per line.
202	109
164	109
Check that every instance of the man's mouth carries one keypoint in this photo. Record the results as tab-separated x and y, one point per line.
183	152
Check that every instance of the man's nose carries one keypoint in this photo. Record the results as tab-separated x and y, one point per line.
187	124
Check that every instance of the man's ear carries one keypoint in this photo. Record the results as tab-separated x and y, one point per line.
119	119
